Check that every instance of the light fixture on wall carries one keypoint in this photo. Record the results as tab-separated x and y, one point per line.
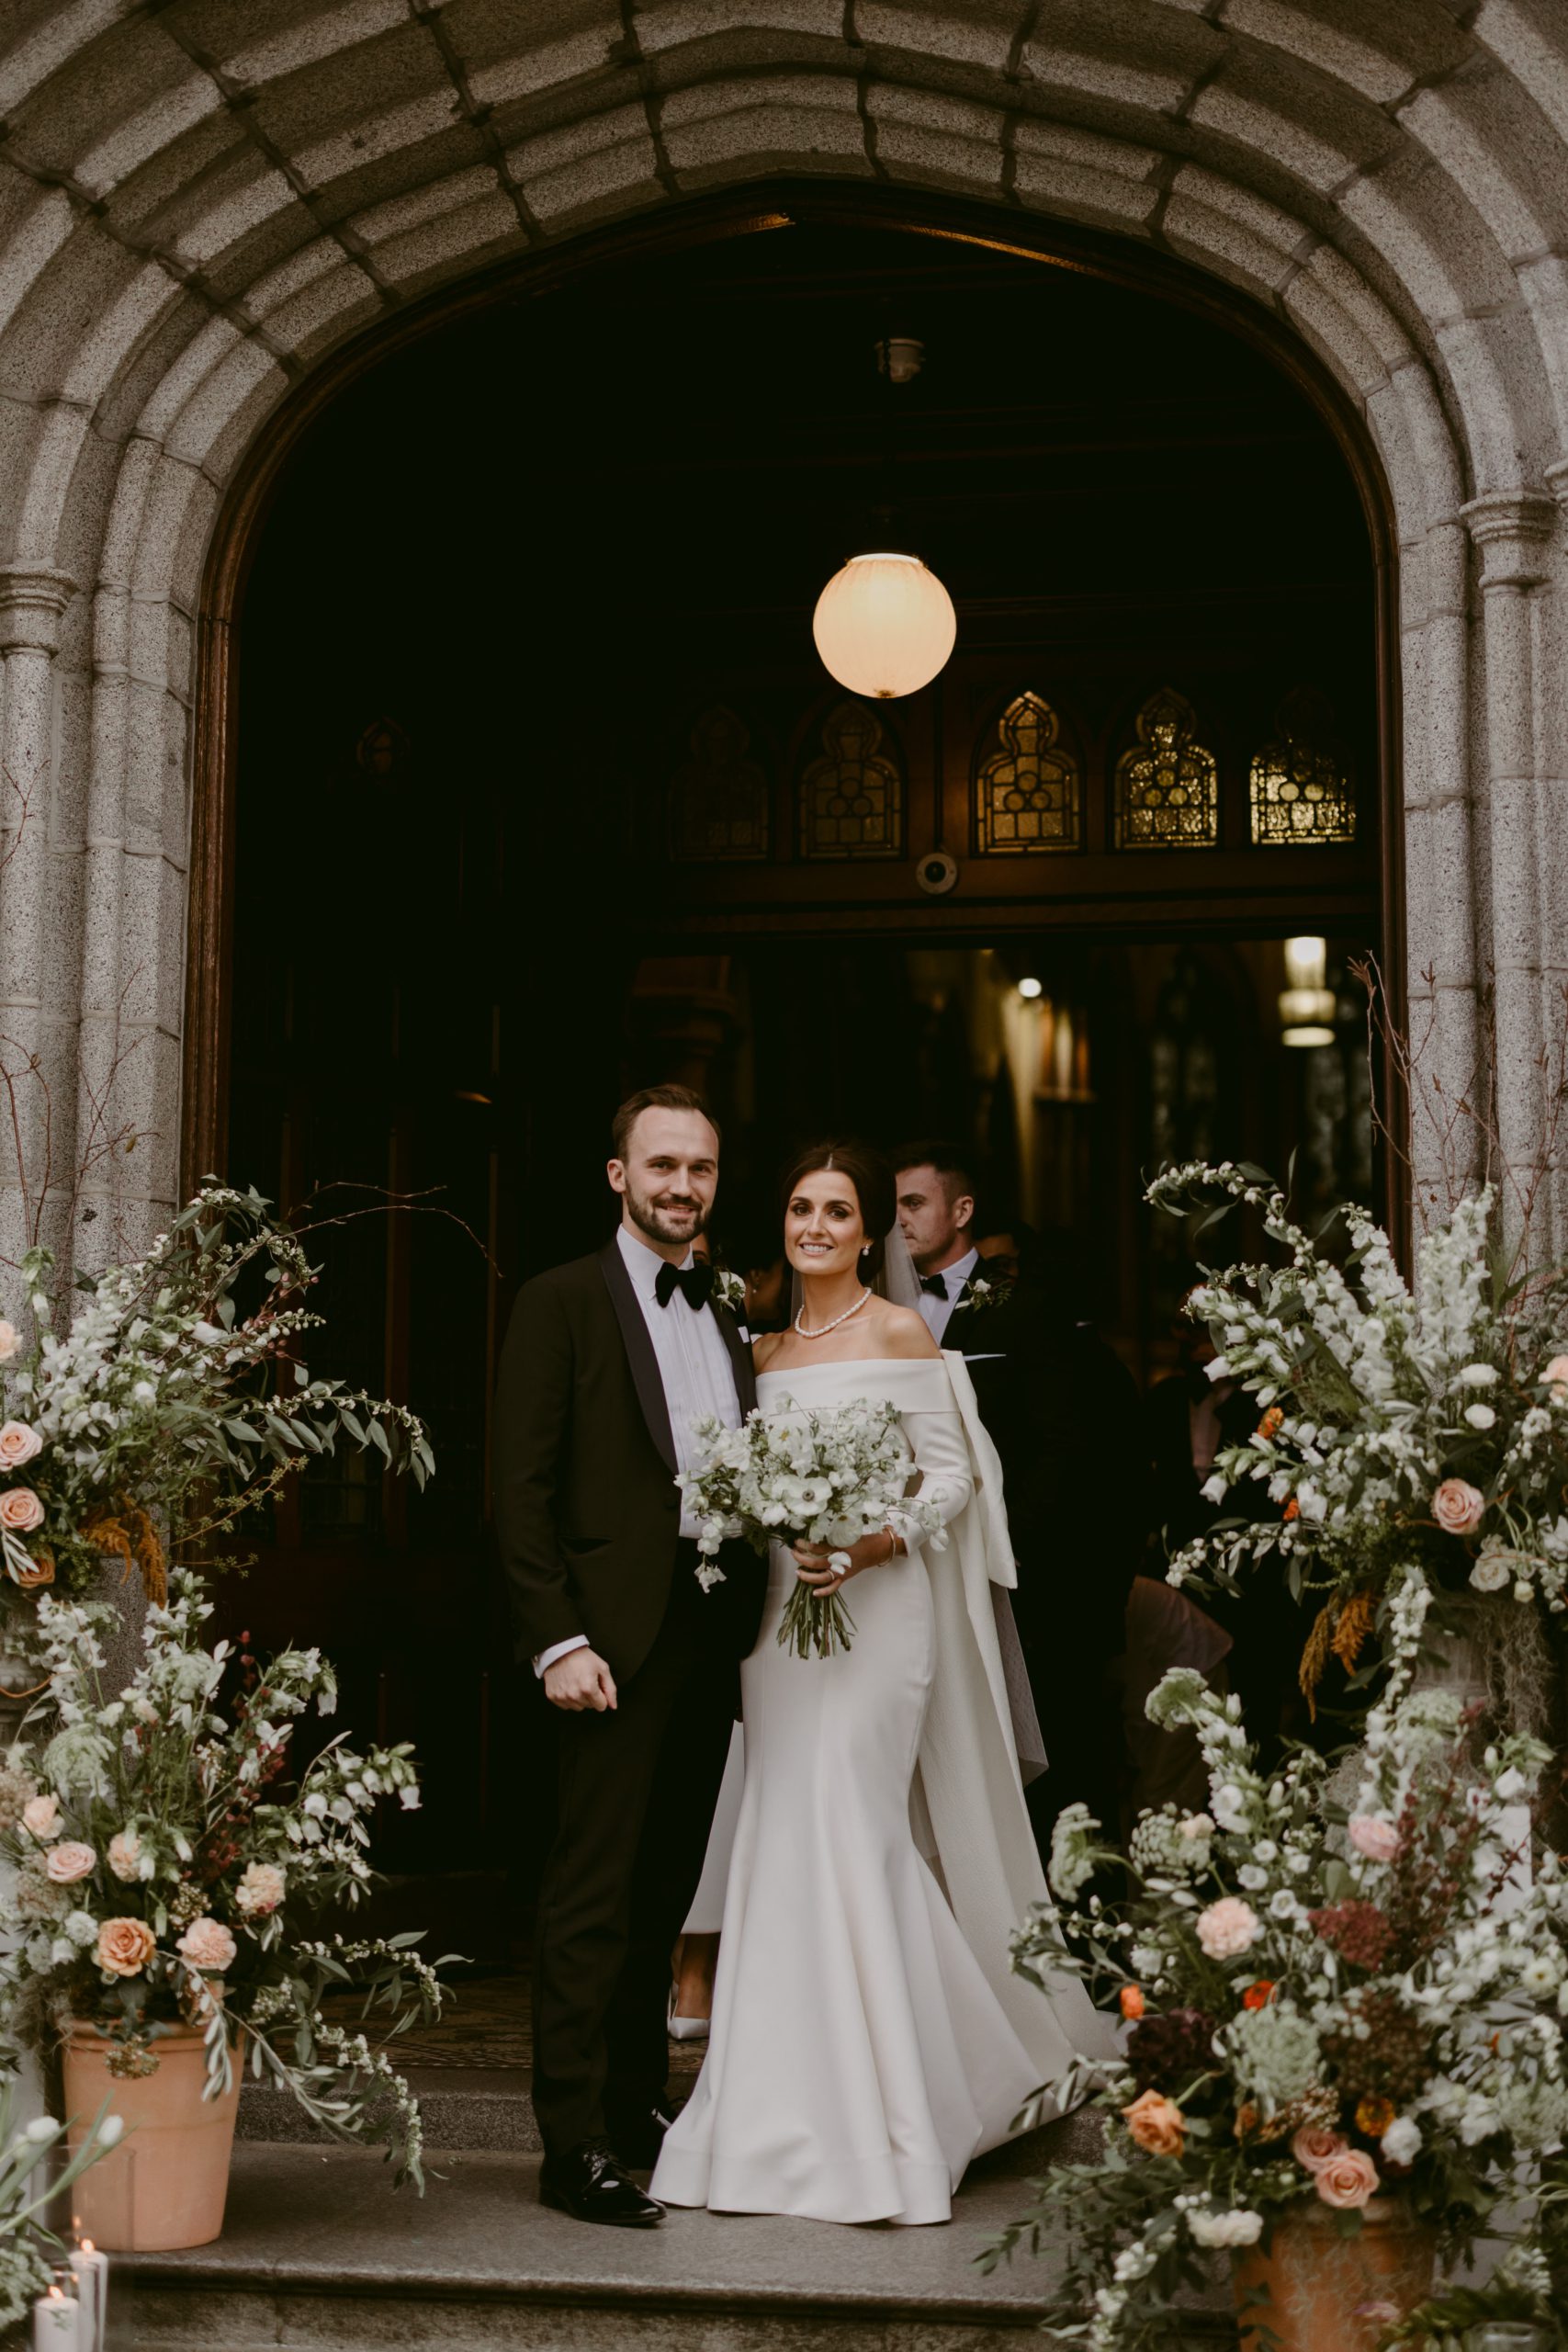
1306	1006
885	625
1031	987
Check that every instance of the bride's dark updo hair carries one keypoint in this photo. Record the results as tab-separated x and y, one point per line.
875	1190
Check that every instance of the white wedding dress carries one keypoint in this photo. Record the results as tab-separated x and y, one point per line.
868	2037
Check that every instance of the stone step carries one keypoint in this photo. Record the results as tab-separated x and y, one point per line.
317	2255
487	2107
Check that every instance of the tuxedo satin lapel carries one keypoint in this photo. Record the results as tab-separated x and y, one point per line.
640	1357
740	1356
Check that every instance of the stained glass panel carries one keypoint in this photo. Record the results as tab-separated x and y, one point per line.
718	798
1167	788
1301	787
852	802
1028	796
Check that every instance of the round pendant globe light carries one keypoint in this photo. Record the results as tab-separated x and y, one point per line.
885	625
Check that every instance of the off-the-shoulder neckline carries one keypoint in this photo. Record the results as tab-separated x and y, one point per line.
833	1362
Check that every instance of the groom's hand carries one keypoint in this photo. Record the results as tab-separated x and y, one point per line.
579	1680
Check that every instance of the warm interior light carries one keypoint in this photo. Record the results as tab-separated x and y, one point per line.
1306	963
1306	1033
1306	1006
885	625
1031	988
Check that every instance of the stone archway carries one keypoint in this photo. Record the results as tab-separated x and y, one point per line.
200	206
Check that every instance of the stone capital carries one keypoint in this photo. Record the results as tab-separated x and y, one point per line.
33	598
1511	527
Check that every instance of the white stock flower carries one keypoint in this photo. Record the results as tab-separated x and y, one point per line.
1238	2227
1401	2143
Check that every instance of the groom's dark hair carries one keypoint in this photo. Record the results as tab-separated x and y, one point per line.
655	1098
949	1159
875	1188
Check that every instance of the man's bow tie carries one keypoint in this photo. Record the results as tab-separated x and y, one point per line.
935	1283
694	1281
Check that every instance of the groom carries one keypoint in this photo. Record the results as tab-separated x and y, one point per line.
607	1363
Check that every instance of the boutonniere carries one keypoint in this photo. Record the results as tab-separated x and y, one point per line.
729	1290
979	1292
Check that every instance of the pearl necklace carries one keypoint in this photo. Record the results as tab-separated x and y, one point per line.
823	1328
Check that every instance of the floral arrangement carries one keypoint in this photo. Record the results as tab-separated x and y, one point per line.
1403	1434
166	1398
169	1874
729	1290
1326	2004
827	1475
27	2248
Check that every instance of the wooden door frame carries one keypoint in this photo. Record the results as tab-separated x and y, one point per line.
751	210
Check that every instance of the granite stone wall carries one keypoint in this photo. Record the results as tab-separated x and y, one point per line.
200	201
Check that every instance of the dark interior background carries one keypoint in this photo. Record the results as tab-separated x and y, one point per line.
500	585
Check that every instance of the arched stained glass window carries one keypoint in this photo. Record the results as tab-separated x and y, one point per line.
1167	788
1028	796
1301	787
851	801
718	798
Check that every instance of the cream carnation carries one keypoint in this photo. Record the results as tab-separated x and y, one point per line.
1373	1836
41	1815
1457	1507
260	1889
19	1443
69	1862
207	1944
1227	1927
125	1854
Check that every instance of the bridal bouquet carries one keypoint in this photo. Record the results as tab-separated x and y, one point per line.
173	1390
827	1475
1405	1437
1340	2020
170	1872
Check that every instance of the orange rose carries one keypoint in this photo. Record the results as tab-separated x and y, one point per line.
1156	2124
1270	1422
1247	2120
1132	1999
1258	1996
125	1947
1373	2116
39	1570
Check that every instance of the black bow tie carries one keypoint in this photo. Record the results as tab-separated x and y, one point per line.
694	1281
935	1283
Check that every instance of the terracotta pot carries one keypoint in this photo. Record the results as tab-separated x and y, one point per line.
165	2183
1317	2292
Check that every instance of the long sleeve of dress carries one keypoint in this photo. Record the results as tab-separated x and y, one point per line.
945	1472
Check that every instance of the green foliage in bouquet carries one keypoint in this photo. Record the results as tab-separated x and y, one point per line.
174	1391
1403	1432
172	1872
1326	2004
29	2248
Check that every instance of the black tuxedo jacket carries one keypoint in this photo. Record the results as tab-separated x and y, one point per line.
587	1511
1063	1412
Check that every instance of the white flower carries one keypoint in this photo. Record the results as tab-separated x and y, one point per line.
1238	2227
1283	1906
42	2129
1401	2143
110	2131
1477	1375
1491	1572
1480	1417
1252	1878
1538	1974
143	1393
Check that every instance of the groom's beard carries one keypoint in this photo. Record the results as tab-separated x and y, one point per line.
666	1217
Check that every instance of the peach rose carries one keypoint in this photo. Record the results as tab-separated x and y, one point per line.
19	1443
1156	2124
1373	1836
20	1509
125	1853
41	1815
260	1889
125	1947
1347	2180
1316	2145
9	1342
208	1945
1227	1927
68	1862
33	1572
1457	1507
1556	1372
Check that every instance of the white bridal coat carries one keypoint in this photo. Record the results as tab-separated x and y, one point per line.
869	2036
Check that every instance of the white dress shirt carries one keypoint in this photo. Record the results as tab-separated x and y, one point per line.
938	1312
695	1368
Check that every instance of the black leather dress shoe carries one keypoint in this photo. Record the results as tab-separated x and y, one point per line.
637	2139
588	2183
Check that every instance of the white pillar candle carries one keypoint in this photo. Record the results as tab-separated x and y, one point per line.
92	2270
55	2324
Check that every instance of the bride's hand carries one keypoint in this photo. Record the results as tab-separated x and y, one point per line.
872	1551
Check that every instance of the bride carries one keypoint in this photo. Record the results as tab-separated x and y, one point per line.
868	2036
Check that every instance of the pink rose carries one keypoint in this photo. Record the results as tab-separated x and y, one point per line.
125	1947
19	1443
41	1815
1227	1927
1373	1836
1457	1507
20	1509
1347	2180
1316	2145
260	1889
208	1945
68	1862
